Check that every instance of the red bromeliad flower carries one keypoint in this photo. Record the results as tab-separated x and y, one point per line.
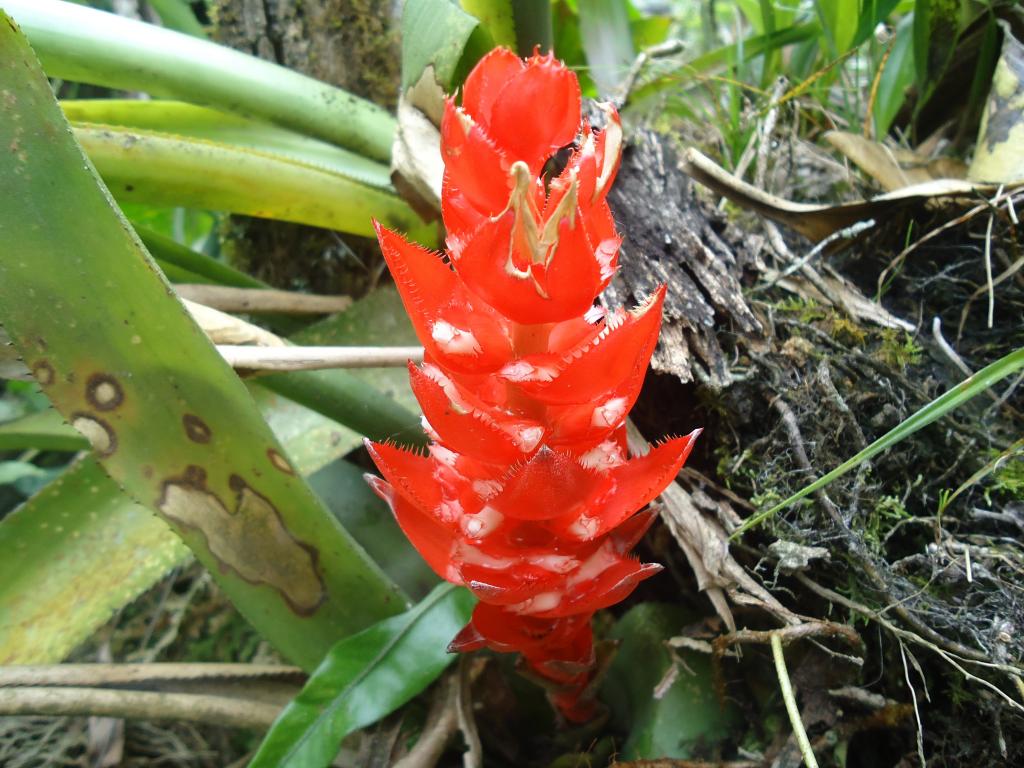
526	495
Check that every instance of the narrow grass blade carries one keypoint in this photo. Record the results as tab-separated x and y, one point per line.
181	119
365	677
90	46
160	169
936	409
122	360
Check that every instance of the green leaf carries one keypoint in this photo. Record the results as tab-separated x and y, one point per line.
364	678
203	268
120	358
533	26
726	56
82	548
364	515
12	471
497	17
684	721
187	120
936	409
89	46
872	13
44	430
839	19
178	15
161	169
999	153
607	41
439	34
897	76
75	553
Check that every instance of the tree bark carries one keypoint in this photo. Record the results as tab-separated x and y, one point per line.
349	43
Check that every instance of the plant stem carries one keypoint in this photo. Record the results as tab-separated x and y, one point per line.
791	708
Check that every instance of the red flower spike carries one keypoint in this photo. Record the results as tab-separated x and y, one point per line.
527	496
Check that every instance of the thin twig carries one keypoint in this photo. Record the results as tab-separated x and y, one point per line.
951	658
947	349
442	722
791	708
790	634
988	269
847	233
917	711
277	359
473	757
261	300
135	674
143	705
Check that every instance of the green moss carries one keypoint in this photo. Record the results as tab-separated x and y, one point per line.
806	310
1008	477
846	331
887	512
899	348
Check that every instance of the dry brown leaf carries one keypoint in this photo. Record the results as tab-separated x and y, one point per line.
892	167
416	164
817	222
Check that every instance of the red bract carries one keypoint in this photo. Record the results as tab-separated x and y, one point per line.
526	495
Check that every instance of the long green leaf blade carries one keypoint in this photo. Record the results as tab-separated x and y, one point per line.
160	169
170	253
936	409
365	677
180	119
122	360
82	44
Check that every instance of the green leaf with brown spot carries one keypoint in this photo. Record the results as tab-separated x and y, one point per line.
81	549
123	361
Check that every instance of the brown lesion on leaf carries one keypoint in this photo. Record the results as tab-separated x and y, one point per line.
250	539
279	462
100	434
103	392
43	373
196	429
